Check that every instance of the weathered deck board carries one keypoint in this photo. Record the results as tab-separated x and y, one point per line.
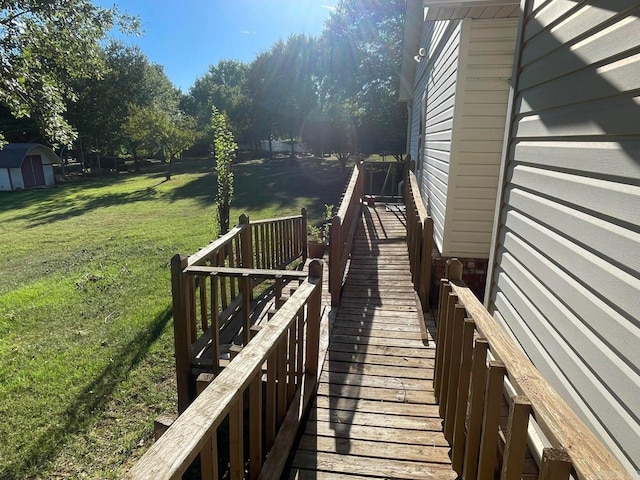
375	415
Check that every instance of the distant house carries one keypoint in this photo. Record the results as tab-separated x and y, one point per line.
26	165
533	107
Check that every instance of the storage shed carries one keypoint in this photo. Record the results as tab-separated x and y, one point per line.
26	165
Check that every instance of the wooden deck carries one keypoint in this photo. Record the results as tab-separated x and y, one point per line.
375	415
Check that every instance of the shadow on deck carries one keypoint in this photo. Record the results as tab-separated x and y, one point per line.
375	414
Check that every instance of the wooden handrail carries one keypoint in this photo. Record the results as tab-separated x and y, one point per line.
196	429
462	385
419	239
343	227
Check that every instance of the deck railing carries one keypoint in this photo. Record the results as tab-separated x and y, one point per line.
382	179
343	228
202	302
419	239
476	361
289	344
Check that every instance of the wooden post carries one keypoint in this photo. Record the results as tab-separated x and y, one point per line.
491	421
453	269
181	331
452	299
246	243
300	349
209	453
445	290
204	321
455	361
460	414
314	309
476	407
555	464
516	438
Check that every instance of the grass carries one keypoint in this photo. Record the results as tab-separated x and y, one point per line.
86	340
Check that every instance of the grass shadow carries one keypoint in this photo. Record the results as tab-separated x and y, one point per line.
90	403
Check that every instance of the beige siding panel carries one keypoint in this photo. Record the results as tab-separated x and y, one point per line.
464	193
487	121
479	170
490	181
483	134
474	146
468	249
489	71
486	110
567	275
475	216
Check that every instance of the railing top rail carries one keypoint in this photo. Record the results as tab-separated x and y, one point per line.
278	219
171	455
417	198
242	272
351	188
558	421
202	254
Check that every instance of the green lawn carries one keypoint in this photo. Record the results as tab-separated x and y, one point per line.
86	340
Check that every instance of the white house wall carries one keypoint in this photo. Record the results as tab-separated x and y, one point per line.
437	77
566	280
486	62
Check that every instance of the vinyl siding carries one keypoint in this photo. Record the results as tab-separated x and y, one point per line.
567	276
437	76
487	50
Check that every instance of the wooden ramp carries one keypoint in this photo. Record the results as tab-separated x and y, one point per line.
375	415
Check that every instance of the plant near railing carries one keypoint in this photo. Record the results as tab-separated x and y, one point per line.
224	147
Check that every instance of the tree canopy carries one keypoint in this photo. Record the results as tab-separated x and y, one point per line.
44	46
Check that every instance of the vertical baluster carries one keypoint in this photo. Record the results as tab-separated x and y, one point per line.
450	303
491	420
459	433
209	453
516	438
181	331
255	425
281	395
246	307
215	325
445	290
232	263
314	307
291	365
476	408
236	453
455	360
204	320
270	401
300	347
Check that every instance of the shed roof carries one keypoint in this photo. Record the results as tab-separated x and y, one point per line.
12	154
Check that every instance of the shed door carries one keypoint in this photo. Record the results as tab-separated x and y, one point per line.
32	172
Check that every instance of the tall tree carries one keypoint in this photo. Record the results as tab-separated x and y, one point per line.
45	44
130	82
223	86
360	56
283	88
153	130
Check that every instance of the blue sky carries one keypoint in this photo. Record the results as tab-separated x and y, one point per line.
188	36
